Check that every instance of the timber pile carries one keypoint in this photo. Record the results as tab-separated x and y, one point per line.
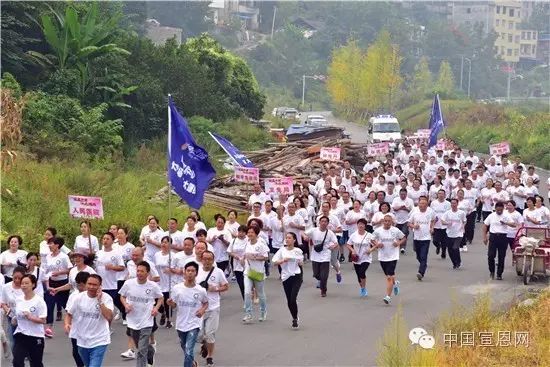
298	159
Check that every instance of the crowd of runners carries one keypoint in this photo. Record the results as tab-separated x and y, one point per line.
174	278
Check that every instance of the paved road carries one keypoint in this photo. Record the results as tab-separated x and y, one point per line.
340	330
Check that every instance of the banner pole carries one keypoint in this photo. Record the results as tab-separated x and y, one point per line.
225	150
169	200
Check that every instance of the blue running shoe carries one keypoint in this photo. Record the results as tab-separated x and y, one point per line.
396	288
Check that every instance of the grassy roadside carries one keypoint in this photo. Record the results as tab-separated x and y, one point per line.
476	126
490	330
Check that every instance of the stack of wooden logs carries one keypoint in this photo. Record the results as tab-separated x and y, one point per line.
298	159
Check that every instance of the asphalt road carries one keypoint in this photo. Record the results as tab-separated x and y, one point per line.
340	330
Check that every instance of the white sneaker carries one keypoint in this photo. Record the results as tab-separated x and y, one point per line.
129	354
461	249
154	345
124	322
247	318
117	315
465	248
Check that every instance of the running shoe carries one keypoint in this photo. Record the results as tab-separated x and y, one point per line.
465	248
162	320
362	292
295	324
396	287
124	322
204	351
387	300
129	354
402	251
263	316
169	324
338	277
419	276
247	318
48	333
209	362
318	284
117	315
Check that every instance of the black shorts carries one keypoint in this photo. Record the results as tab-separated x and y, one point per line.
361	270
155	328
388	267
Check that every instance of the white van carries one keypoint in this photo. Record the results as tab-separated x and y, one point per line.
384	128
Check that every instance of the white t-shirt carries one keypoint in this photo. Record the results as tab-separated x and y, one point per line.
177	238
91	328
317	236
188	301
9	260
402	216
83	243
237	247
423	219
515	217
494	223
455	222
74	271
142	298
126	253
150	249
297	220
439	209
37	307
378	217
361	243
10	295
354	216
217	279
486	198
387	237
220	249
471	195
109	277
131	267
52	263
259	248
192	234
292	266
277	233
72	296
544	215
530	215
416	194
162	262
233	228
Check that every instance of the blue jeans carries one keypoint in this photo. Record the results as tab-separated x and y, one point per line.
92	357
187	342
421	248
259	286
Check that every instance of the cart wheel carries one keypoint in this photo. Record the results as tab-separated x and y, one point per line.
527	270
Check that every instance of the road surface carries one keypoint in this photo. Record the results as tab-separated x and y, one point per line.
340	330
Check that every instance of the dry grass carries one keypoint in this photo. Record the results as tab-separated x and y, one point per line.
11	117
479	318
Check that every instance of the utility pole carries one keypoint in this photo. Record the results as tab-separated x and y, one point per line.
469	76
303	89
509	81
273	23
461	70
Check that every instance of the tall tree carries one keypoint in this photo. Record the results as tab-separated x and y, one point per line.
445	79
422	81
344	78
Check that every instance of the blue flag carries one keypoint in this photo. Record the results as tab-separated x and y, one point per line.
436	121
232	151
189	170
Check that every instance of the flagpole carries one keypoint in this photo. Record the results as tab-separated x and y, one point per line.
441	113
225	150
169	198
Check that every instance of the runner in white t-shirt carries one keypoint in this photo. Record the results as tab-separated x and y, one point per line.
322	242
142	300
93	310
421	221
191	301
236	251
359	246
387	240
290	258
455	221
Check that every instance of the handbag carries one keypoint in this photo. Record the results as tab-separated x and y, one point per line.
204	283
355	257
319	247
254	275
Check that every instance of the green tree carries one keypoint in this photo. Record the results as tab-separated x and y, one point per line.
77	40
230	73
445	80
422	81
344	81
